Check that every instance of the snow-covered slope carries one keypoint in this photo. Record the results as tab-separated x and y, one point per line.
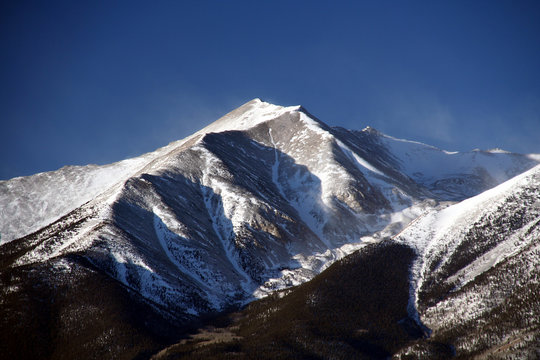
478	265
449	175
264	198
29	203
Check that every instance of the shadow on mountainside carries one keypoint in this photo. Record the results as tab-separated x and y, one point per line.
179	221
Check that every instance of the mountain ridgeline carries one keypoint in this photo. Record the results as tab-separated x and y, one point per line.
357	243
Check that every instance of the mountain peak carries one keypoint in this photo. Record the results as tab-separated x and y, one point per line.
250	114
372	131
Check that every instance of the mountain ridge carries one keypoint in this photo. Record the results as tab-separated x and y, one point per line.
263	199
129	166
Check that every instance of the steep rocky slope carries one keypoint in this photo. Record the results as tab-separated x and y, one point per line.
476	281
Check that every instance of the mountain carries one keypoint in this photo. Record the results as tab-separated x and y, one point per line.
263	199
459	282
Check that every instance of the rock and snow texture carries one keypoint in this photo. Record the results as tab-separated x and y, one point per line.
476	281
263	199
504	214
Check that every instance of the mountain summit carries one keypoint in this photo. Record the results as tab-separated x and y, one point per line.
263	199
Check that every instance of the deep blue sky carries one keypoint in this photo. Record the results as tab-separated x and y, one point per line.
100	81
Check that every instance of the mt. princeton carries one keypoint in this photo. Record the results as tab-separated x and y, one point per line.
116	260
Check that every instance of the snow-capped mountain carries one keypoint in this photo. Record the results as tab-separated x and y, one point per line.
262	199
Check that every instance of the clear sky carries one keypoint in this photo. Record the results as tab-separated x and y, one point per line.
99	81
